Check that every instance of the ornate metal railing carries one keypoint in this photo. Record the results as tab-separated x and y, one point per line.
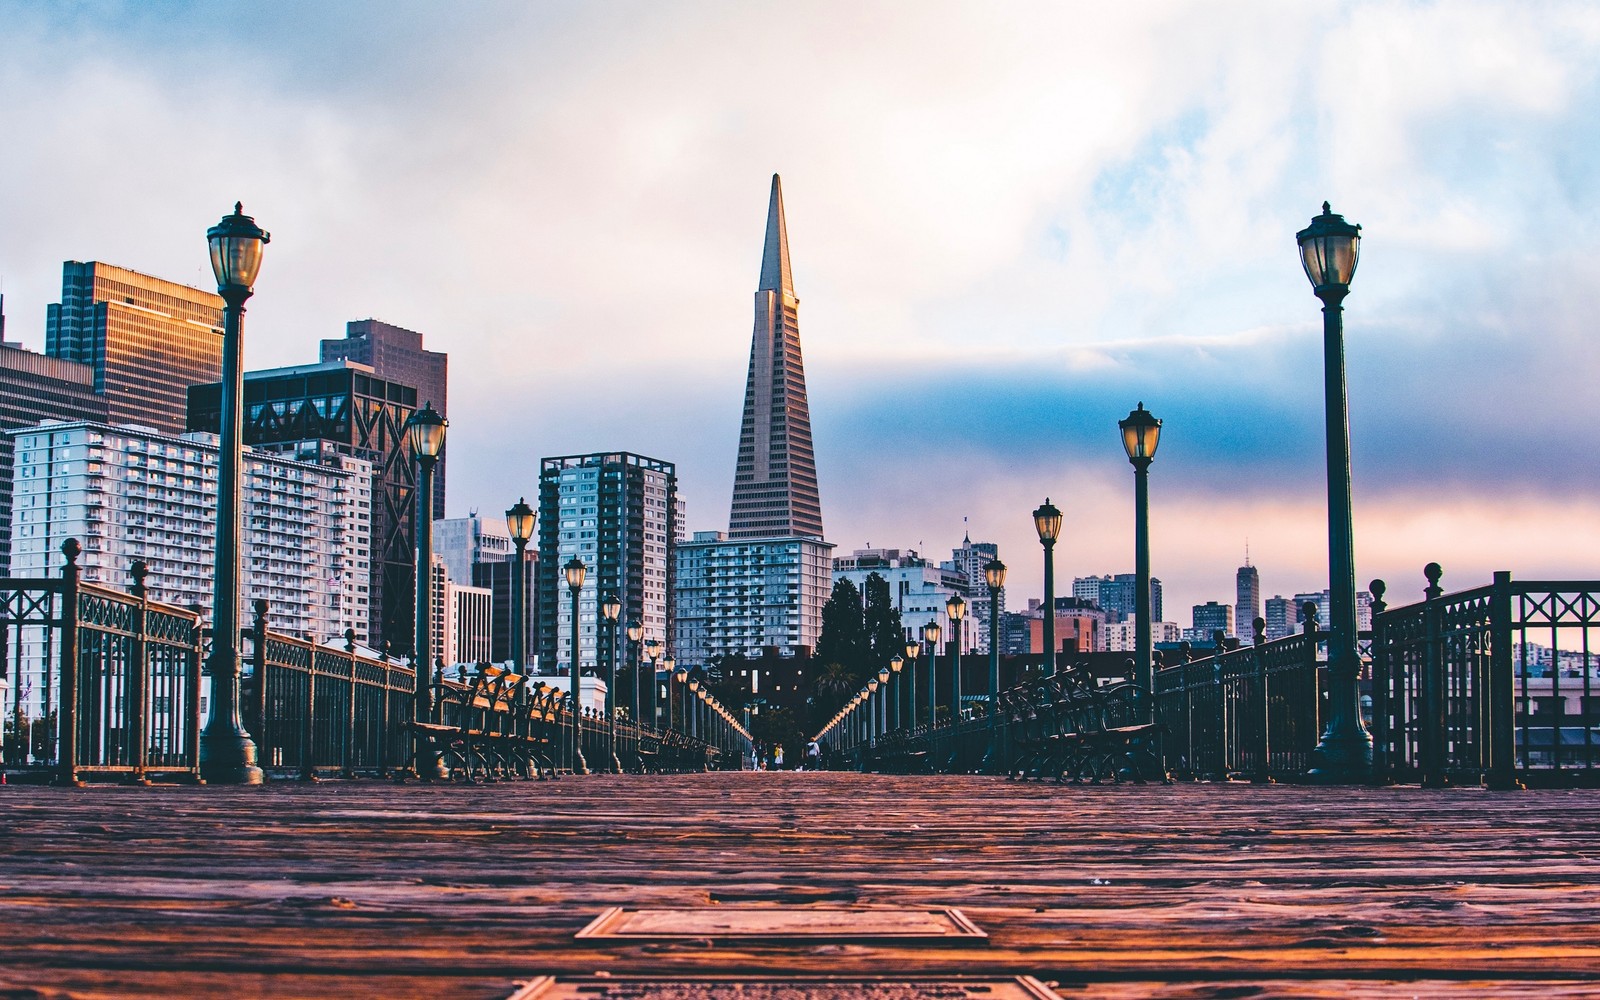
102	682
311	707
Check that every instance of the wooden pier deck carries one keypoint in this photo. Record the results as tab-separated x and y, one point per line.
353	889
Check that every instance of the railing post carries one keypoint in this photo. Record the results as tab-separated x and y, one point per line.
1430	715
1500	693
1263	714
138	676
67	738
258	697
1382	674
348	755
308	769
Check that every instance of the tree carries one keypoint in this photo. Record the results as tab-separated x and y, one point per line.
844	634
886	637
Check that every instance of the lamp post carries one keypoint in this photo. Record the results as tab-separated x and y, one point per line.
611	608
1329	249
1047	522
688	706
425	430
883	700
932	633
227	753
994	574
895	666
1141	432
520	523
956	609
682	677
667	667
576	571
652	649
636	658
873	731
912	649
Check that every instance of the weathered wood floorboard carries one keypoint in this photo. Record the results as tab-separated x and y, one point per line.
367	888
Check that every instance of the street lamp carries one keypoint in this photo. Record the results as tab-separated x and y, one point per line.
688	706
682	677
895	666
1141	432
520	522
636	658
1329	248
912	649
872	711
956	609
668	664
576	571
611	607
227	753
994	574
425	430
652	650
883	700
931	632
1047	522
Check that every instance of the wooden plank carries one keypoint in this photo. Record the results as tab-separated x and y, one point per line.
315	890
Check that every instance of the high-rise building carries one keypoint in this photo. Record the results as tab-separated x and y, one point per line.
396	354
35	387
1117	594
1282	616
129	493
464	542
918	589
147	339
1211	617
342	408
775	481
479	551
616	512
763	584
1247	602
743	598
969	560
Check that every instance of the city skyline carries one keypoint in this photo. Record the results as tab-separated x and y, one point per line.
1004	250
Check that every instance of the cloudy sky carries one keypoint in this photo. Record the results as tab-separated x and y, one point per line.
1009	224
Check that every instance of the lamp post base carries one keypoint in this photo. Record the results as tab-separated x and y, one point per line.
616	763
228	758
1341	758
579	765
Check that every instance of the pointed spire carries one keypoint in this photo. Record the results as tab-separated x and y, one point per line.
775	255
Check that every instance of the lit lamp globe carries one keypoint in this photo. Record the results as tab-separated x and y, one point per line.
956	608
236	244
635	631
1141	432
1047	522
575	571
520	521
611	607
1329	249
897	663
425	430
994	574
933	631
883	675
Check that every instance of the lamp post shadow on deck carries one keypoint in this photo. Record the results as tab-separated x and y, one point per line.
1047	522
994	575
1329	249
575	573
1141	432
227	753
425	431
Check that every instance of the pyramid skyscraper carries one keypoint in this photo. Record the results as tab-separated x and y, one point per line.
775	480
760	585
